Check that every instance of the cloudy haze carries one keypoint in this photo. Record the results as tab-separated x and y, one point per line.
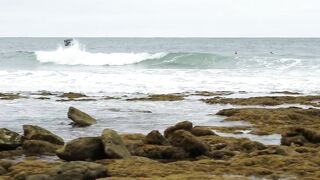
160	18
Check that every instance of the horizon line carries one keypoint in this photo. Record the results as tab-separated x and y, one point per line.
151	37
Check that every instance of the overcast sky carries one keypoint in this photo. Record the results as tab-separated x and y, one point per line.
160	18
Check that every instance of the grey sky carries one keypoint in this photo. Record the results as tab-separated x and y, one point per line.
159	18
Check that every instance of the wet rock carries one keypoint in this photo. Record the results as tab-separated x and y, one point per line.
83	148
221	154
42	98
133	141
266	100
9	96
274	121
2	170
249	146
45	93
160	152
215	93
72	95
32	132
113	144
11	153
285	92
190	143
155	137
40	147
159	97
202	131
9	139
78	170
80	118
66	100
184	125
300	136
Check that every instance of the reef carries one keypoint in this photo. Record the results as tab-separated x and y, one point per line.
273	121
266	100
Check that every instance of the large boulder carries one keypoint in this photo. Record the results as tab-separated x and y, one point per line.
113	144
32	132
83	148
187	141
79	170
184	125
9	139
155	137
300	136
80	118
40	147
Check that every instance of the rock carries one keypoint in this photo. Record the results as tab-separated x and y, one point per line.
113	144
72	95
160	152
9	140
188	142
10	96
185	125
300	136
80	118
133	141
249	146
82	149
202	131
2	170
38	133
76	170
40	147
221	154
155	137
159	97
11	153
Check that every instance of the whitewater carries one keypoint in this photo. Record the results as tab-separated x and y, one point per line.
160	65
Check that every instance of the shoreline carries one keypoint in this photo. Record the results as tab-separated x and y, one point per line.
184	150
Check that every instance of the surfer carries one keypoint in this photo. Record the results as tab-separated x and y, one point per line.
235	52
68	42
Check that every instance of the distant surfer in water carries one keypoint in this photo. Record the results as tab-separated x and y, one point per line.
235	52
68	42
271	52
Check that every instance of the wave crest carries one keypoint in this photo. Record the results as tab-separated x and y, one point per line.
77	55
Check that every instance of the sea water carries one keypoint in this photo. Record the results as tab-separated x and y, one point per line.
129	67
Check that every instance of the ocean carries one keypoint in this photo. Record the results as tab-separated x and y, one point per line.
130	67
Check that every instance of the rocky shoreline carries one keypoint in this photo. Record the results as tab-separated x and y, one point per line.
182	151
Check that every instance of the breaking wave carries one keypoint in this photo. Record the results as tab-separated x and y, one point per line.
77	55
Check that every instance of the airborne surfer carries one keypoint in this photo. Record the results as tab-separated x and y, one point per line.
68	42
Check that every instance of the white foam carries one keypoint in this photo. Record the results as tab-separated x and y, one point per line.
77	55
